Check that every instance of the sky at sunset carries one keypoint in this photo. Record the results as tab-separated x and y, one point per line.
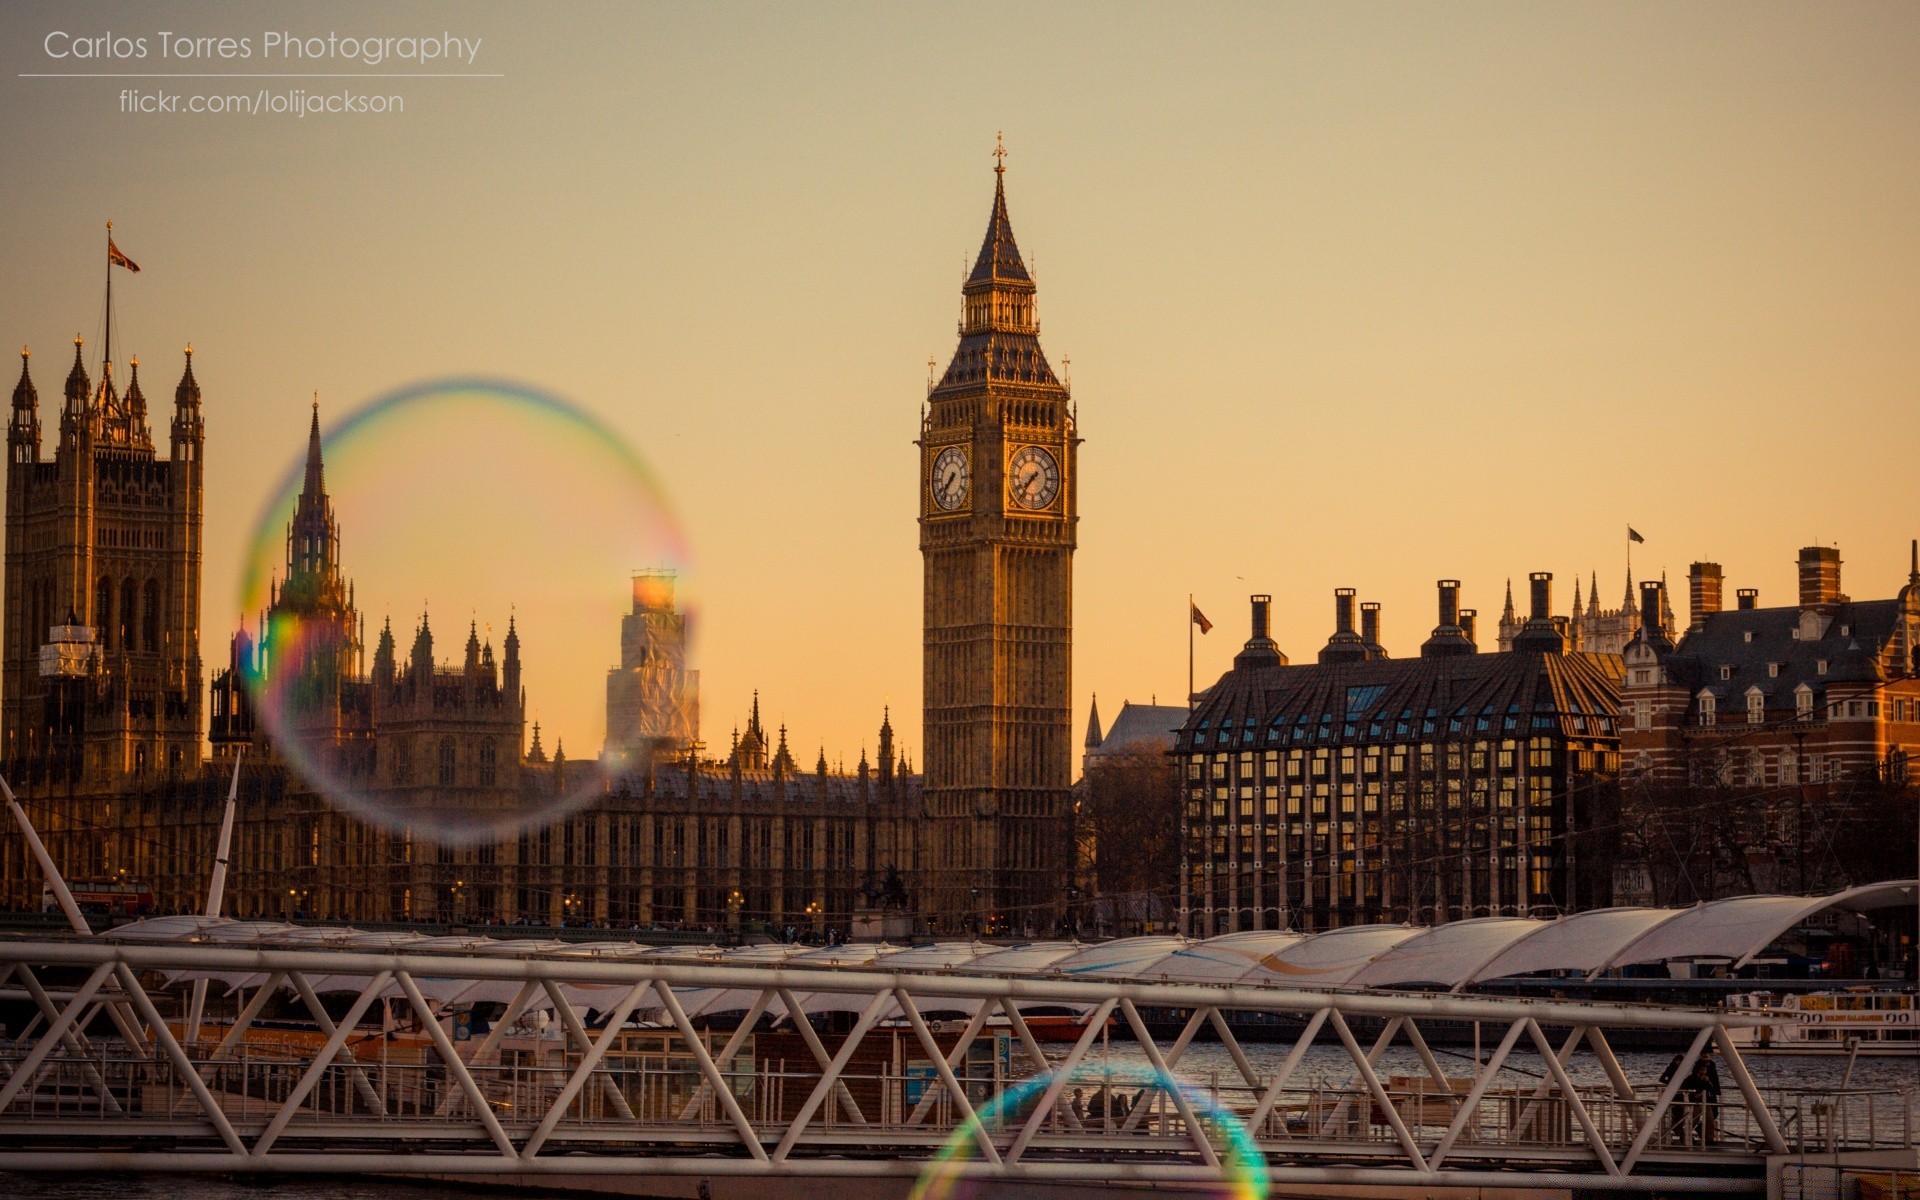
1355	295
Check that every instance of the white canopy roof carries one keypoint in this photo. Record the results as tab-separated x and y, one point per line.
1455	955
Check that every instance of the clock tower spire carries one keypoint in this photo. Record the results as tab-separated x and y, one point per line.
998	450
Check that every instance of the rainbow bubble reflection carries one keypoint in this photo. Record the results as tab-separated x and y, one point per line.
957	1172
473	548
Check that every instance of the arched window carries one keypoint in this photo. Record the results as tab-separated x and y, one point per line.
150	617
486	763
446	762
403	761
129	615
103	612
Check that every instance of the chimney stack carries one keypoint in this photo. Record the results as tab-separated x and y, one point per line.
1704	583
1469	625
1448	638
1650	605
1820	577
1541	633
1260	650
1370	629
1749	599
1345	645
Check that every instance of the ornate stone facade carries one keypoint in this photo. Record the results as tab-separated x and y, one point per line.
998	514
102	677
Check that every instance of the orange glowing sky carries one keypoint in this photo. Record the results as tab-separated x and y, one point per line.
1356	294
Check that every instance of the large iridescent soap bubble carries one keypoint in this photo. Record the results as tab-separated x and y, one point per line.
467	614
1131	1104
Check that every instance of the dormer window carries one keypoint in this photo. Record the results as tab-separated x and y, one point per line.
1726	672
1756	707
1708	712
1820	667
1846	631
1803	702
1749	635
1773	670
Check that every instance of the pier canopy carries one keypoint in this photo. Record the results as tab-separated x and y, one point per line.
1457	955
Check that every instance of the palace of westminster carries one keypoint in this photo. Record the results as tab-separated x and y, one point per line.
1309	795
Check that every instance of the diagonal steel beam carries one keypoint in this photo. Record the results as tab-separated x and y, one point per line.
589	1062
1665	1101
355	1073
1470	1106
955	1057
1287	1067
336	1038
1601	1150
577	1033
1061	1077
947	1078
825	1086
73	1040
490	1047
55	1034
715	1080
1346	1100
443	1045
1756	1104
1530	1115
216	1116
1167	1084
805	1029
741	1033
1434	1070
1622	1086
1174	1054
244	1022
1035	1054
1363	1063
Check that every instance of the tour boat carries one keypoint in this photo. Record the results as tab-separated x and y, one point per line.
1863	1020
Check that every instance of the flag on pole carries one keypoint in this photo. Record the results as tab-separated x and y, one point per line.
115	258
1200	618
1633	535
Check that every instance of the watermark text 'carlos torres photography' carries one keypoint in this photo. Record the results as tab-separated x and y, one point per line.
269	54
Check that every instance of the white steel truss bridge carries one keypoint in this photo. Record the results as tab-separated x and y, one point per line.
358	1060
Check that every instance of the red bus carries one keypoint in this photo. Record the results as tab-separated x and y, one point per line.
103	897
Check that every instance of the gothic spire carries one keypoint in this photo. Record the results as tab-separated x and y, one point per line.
315	488
1506	614
188	391
1093	724
78	385
24	395
999	260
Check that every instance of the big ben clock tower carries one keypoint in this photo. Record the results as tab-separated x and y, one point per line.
997	533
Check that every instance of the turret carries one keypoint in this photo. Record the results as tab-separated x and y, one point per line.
189	430
422	658
23	431
510	666
886	748
383	655
472	664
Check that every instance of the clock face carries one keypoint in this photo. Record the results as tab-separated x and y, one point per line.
1033	478
949	480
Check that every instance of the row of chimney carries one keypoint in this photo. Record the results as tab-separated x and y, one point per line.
1819	585
1457	633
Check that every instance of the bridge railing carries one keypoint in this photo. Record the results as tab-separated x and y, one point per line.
104	1060
253	1085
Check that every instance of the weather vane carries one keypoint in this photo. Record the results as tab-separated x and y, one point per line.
1000	151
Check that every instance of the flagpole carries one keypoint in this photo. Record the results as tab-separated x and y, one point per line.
1190	623
106	356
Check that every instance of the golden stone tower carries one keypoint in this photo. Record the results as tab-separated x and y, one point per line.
997	533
